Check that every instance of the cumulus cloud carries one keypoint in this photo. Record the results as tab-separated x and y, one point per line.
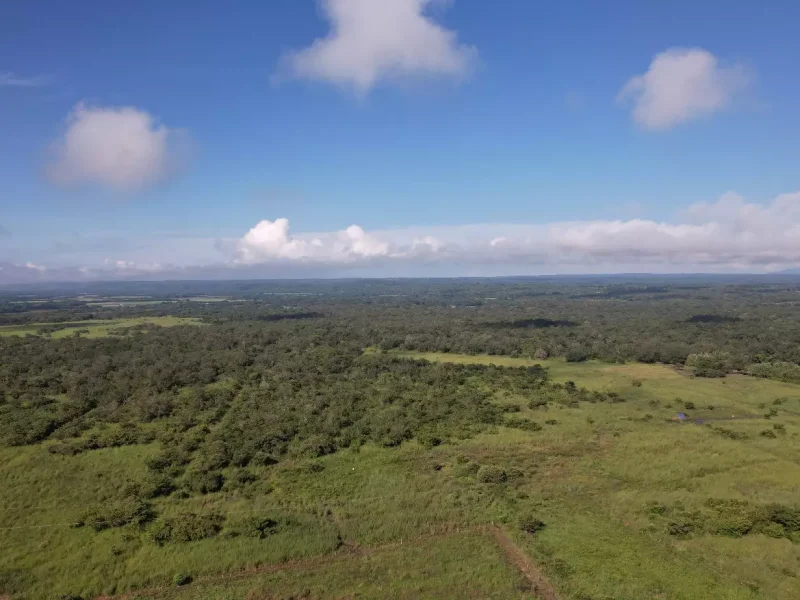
727	235
120	148
682	84
271	240
372	40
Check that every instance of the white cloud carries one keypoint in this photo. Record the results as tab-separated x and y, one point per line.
372	40
271	241
682	84
727	235
120	148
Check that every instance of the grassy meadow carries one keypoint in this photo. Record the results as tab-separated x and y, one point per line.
93	328
612	483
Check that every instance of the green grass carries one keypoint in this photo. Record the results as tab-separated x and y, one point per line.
94	328
589	477
466	565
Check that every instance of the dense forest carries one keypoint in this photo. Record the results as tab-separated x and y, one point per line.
293	356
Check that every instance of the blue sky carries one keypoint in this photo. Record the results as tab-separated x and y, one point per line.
459	137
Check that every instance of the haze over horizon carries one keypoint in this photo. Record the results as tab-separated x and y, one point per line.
354	138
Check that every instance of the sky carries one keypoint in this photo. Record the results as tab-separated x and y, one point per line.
303	138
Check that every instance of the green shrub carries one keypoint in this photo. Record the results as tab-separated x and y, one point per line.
243	477
688	405
681	529
157	484
187	527
788	516
782	371
732	524
657	508
118	513
522	423
768	433
775	530
576	354
256	527
540	402
204	482
491	474
531	524
428	439
180	579
730	434
710	364
465	469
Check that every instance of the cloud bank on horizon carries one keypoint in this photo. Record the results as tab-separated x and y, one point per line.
729	234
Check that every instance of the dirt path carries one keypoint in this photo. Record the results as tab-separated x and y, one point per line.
514	554
540	587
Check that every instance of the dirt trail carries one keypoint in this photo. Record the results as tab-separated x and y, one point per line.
514	554
540	587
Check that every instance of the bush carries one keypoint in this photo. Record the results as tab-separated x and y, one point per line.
490	474
157	484
465	469
540	402
782	371
180	579
576	354
774	530
788	516
732	524
204	482
657	508
118	513
688	405
255	527
680	529
429	440
768	433
730	434
531	524
522	423
243	477
187	527
710	364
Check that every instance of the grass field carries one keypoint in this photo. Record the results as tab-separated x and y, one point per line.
469	565
92	329
400	522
